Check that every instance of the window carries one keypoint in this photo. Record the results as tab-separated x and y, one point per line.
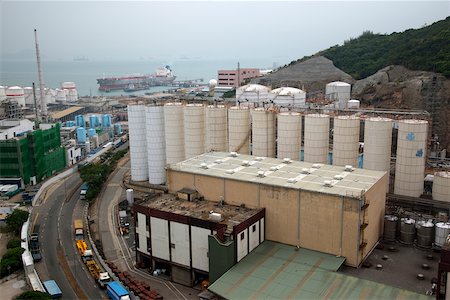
242	236
254	228
147	223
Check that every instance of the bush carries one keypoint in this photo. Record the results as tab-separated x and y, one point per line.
33	295
15	220
11	261
13	243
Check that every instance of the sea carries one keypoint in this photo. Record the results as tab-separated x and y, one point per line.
84	73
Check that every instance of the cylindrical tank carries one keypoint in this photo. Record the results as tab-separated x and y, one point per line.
252	93
263	132
317	128
87	147
95	143
425	233
441	186
70	124
2	93
288	97
346	141
156	146
377	144
117	129
80	121
216	128
138	142
339	92
93	121
289	135
29	97
411	153
390	228
91	132
130	196
106	120
68	85
353	104
407	230
16	93
194	130
81	135
61	95
174	129
442	230
239	130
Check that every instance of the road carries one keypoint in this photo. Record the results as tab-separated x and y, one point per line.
60	260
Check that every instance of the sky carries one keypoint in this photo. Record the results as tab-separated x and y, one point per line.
141	30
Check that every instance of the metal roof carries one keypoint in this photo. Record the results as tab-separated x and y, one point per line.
68	111
278	172
278	271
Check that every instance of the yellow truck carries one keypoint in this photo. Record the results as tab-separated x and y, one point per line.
84	251
79	229
101	277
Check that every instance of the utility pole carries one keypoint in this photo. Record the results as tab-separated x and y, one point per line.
41	82
35	107
239	75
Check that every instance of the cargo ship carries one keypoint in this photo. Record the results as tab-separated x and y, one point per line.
130	83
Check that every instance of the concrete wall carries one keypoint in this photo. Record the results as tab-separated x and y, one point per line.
160	238
179	239
199	240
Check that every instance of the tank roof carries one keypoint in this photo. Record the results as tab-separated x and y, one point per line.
254	87
286	91
338	83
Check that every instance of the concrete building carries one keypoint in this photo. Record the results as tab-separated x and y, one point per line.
13	128
332	209
235	78
193	239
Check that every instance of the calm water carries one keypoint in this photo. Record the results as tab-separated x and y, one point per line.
85	73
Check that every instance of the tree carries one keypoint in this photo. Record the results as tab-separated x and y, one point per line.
16	219
11	261
33	295
13	243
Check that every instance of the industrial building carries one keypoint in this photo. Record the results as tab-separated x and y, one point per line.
333	209
11	128
193	239
236	77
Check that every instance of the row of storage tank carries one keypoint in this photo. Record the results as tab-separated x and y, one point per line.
423	233
338	92
24	95
94	121
168	134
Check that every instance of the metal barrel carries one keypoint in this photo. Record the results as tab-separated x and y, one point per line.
407	230
425	230
442	231
390	228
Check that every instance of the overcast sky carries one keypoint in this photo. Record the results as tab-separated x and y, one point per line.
121	30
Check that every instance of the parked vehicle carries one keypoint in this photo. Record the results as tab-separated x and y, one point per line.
34	245
85	252
116	291
102	278
53	289
84	190
79	229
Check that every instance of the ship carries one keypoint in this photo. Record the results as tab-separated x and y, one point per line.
129	83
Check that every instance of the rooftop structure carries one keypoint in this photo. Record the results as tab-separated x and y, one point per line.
67	114
11	128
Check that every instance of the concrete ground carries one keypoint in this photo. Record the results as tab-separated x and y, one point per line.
13	285
401	267
4	238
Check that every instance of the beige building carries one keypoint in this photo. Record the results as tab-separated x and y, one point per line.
331	209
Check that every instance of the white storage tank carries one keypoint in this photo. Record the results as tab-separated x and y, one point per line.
216	128
138	142
346	141
156	150
16	93
441	186
353	104
194	130
2	93
71	90
288	96
263	132
411	153
239	130
252	93
441	233
289	135
130	197
339	92
61	95
377	144
317	131
174	132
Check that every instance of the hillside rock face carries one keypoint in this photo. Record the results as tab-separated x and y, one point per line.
396	87
312	75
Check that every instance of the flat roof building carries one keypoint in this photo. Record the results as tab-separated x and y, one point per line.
235	78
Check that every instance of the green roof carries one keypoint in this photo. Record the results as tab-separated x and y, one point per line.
278	271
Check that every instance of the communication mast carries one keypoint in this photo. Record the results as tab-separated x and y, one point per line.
41	82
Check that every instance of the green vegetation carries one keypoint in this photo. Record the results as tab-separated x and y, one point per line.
13	243
426	49
229	94
96	174
33	295
11	261
15	220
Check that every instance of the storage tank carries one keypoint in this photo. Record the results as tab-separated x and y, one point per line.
239	130
441	186
263	132
16	93
28	94
407	230
339	92
252	93
91	132
71	90
2	93
442	230
353	104
288	97
61	95
81	135
138	142
156	146
425	230
70	124
411	153
106	120
118	128
194	130
346	141
390	228
87	147
174	129
80	121
93	121
377	144
317	128
216	128
130	197
289	136
95	143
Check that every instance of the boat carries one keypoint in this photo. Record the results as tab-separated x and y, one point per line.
162	76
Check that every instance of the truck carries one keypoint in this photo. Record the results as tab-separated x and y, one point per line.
83	192
35	247
116	291
102	278
85	252
52	289
79	229
124	224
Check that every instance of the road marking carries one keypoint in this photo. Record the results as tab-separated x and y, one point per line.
34	221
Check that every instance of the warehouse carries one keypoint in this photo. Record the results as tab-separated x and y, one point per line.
332	209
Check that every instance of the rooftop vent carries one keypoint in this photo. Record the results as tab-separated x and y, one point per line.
204	166
245	163
305	171
215	217
316	166
230	171
273	169
327	183
218	161
338	177
292	180
348	168
259	158
287	160
261	174
234	154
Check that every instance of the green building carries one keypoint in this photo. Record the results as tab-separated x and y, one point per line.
38	153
